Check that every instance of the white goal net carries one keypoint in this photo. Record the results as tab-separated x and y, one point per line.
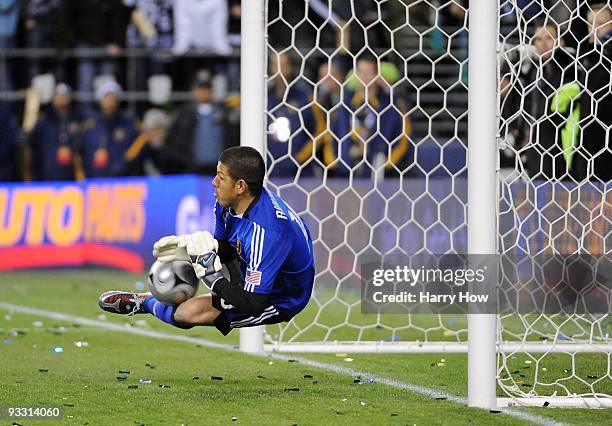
367	141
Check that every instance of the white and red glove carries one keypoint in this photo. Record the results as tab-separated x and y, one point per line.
200	246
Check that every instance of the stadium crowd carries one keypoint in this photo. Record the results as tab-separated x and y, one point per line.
353	120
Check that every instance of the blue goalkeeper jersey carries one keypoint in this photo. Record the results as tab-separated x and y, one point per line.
275	250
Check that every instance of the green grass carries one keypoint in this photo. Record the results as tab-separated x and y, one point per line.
83	380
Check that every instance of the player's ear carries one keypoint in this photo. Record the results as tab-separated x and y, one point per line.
241	186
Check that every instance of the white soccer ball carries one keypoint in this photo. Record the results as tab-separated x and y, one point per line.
173	282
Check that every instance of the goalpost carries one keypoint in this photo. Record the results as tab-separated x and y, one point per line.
438	196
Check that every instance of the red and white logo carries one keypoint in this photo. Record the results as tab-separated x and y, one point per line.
252	279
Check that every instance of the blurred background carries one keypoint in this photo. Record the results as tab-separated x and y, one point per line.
362	90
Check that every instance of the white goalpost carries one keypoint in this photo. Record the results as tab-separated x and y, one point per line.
252	105
436	154
482	190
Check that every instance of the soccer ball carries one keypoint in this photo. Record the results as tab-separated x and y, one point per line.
173	282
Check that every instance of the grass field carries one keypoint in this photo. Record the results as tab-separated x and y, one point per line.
175	382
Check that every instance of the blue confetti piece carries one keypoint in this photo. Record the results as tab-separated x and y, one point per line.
57	350
7	341
139	285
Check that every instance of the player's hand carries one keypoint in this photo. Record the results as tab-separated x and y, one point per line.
208	269
199	243
181	247
170	248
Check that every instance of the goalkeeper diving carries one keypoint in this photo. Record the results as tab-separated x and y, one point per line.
265	246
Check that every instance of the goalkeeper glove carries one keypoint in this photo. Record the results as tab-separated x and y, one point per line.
208	268
170	248
182	247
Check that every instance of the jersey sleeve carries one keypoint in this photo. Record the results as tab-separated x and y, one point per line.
219	231
266	255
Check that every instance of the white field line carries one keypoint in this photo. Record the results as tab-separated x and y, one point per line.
124	328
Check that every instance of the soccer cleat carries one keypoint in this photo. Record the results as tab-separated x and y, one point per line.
121	302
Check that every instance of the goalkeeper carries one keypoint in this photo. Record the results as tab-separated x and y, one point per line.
265	245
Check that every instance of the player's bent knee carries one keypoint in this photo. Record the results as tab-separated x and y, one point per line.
196	311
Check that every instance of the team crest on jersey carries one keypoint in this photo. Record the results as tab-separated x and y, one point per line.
238	247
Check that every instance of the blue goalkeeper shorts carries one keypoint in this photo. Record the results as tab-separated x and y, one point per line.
231	317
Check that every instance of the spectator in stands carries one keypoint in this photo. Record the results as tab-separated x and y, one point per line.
9	16
152	27
327	96
547	152
106	134
234	37
195	137
288	100
531	10
201	25
143	157
92	24
596	98
452	20
8	142
536	129
52	142
39	21
369	129
362	23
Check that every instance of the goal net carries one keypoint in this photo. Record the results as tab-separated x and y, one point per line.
366	111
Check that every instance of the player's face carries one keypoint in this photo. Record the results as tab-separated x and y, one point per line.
225	187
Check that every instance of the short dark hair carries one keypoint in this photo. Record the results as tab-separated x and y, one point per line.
247	164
